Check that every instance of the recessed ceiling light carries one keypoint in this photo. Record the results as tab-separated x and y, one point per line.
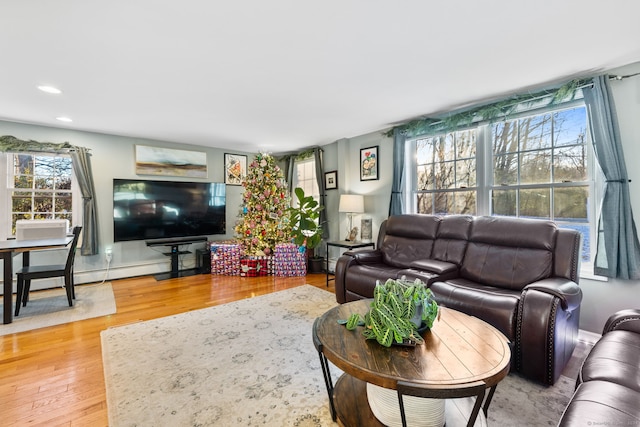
64	119
50	89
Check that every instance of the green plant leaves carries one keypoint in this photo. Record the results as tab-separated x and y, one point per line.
393	306
354	320
304	219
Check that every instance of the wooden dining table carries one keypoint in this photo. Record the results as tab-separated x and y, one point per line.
10	248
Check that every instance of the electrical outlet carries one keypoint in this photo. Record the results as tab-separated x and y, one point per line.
108	254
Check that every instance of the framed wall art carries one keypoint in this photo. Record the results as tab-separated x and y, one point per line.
331	180
170	162
369	163
235	168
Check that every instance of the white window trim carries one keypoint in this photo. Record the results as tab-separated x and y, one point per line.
5	197
295	180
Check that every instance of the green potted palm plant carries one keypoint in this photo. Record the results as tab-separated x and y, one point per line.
400	310
306	229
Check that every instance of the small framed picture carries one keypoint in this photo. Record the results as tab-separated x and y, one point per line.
369	163
331	180
235	168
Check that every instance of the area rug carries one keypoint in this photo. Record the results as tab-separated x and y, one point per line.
252	362
50	307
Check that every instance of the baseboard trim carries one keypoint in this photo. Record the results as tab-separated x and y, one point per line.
93	276
588	337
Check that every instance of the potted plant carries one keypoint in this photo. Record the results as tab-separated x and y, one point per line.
306	229
398	310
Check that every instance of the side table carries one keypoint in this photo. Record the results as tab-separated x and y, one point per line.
459	351
348	245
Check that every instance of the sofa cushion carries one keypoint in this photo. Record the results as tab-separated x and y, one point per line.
509	252
495	306
361	277
453	236
408	238
402	251
600	403
434	266
614	358
505	267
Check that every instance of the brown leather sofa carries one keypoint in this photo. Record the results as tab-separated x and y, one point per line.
608	386
519	275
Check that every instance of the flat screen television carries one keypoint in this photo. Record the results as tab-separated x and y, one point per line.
145	209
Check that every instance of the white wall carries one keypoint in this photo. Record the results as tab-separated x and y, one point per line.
113	157
344	156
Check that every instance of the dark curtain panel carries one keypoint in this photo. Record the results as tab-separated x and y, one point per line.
82	167
288	173
396	205
317	154
618	252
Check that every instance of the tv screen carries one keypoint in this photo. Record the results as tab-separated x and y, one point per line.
144	209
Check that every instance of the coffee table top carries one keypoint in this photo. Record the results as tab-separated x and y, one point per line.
459	349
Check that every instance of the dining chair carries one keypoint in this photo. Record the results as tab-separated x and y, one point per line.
476	389
26	274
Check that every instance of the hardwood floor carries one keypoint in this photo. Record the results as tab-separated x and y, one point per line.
53	376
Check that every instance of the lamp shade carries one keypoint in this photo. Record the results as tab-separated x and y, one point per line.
351	203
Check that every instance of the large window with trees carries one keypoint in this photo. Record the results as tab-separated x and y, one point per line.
39	186
536	166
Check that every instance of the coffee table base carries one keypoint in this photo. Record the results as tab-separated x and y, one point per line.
352	406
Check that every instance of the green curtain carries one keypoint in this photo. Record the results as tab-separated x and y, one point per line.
396	205
618	250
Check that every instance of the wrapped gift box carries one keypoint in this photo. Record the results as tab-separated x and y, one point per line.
252	266
270	265
225	258
289	261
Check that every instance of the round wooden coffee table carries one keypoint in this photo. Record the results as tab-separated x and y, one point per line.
458	350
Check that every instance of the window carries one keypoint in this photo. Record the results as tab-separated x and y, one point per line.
537	166
39	186
304	176
446	173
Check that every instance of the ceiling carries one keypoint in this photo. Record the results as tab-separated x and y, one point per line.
283	75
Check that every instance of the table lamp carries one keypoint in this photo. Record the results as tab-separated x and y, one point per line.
351	204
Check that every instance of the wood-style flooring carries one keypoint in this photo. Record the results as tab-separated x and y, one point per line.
53	376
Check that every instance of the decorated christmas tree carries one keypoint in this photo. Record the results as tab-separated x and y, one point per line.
263	220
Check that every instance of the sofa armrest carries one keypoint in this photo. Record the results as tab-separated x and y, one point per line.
547	328
342	265
568	292
434	266
370	256
627	320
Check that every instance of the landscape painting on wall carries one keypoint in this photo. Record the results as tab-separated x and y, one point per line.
170	162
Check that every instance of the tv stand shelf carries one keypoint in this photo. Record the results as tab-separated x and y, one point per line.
174	253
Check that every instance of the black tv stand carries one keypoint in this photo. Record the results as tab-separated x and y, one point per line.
174	244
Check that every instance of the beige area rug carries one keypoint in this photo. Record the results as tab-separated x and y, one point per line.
50	307
253	362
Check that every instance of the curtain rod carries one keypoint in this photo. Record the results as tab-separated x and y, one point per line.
620	77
